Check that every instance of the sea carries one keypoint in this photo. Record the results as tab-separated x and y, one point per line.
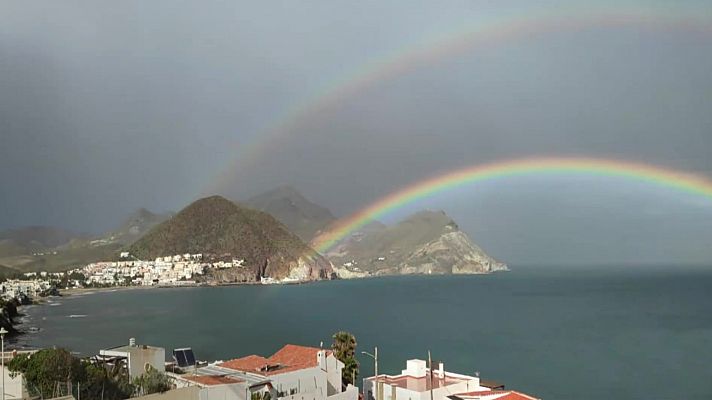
553	332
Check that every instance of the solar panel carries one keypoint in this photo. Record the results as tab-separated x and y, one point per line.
184	357
189	356
179	356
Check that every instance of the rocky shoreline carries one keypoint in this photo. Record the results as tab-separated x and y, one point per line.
10	313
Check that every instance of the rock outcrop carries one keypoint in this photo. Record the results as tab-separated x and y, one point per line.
428	242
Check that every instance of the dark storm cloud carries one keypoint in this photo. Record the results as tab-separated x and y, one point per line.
614	94
105	108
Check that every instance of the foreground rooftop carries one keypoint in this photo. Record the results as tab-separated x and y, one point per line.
289	358
492	395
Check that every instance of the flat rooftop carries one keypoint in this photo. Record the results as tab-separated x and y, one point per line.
217	370
127	347
420	384
130	349
212	380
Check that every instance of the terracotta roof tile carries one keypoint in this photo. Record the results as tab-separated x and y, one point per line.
296	355
289	358
251	363
496	395
516	396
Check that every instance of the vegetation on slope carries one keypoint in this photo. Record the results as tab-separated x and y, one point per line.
67	258
18	245
51	373
217	226
51	249
8	273
38	237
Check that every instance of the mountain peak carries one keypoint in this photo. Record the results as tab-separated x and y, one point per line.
215	225
431	219
211	201
303	217
135	225
284	191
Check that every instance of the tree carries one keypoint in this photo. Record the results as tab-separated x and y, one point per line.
152	381
49	372
103	383
55	372
344	348
260	396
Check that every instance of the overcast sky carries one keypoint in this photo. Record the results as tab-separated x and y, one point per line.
110	106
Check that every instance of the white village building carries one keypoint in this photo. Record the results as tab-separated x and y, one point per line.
292	373
414	383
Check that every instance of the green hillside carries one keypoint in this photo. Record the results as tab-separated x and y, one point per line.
217	226
72	257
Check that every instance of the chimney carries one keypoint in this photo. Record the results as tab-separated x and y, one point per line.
132	342
441	370
321	359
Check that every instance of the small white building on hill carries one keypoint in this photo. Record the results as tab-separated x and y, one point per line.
136	357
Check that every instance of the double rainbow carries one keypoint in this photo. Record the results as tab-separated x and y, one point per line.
443	45
668	178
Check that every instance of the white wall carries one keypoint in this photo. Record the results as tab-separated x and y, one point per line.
154	356
186	393
351	393
334	368
438	393
138	357
224	392
316	383
388	392
14	387
310	384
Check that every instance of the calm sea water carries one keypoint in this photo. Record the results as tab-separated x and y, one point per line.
553	332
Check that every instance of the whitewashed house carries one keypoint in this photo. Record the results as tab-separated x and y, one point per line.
298	372
137	357
414	383
292	373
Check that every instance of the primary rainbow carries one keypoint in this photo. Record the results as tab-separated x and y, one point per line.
441	45
677	180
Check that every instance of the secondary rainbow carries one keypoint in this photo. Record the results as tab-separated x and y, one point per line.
442	45
678	180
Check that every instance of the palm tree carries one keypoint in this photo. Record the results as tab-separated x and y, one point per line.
344	348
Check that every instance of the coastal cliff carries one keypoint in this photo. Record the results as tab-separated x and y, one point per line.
428	242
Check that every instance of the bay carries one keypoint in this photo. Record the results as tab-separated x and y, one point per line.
556	333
